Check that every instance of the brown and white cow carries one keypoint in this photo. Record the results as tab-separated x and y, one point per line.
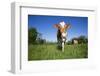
62	33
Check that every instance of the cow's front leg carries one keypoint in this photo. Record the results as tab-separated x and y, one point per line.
62	46
63	43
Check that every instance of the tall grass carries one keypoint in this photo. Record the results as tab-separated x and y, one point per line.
50	51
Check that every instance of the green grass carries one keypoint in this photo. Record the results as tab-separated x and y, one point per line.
50	52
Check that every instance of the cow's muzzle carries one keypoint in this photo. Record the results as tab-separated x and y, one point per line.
63	34
63	37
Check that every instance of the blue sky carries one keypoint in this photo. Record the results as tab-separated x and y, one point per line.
45	25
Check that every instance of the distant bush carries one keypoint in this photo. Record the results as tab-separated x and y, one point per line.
69	42
81	39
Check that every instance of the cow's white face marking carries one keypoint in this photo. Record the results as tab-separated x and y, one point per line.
62	24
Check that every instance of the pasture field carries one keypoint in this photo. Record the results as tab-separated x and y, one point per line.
50	52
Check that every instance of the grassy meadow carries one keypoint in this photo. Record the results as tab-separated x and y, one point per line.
50	52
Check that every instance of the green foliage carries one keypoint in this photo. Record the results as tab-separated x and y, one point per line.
82	39
32	35
69	42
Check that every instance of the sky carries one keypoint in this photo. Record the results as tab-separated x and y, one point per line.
45	25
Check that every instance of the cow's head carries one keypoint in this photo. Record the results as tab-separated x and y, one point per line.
62	27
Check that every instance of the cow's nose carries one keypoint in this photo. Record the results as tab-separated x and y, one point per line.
63	34
63	39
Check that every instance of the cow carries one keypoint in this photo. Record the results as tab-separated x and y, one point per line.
75	41
62	28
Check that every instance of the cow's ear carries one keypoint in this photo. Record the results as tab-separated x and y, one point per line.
67	26
56	26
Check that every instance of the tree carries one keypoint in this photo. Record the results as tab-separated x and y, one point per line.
32	35
82	39
69	42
